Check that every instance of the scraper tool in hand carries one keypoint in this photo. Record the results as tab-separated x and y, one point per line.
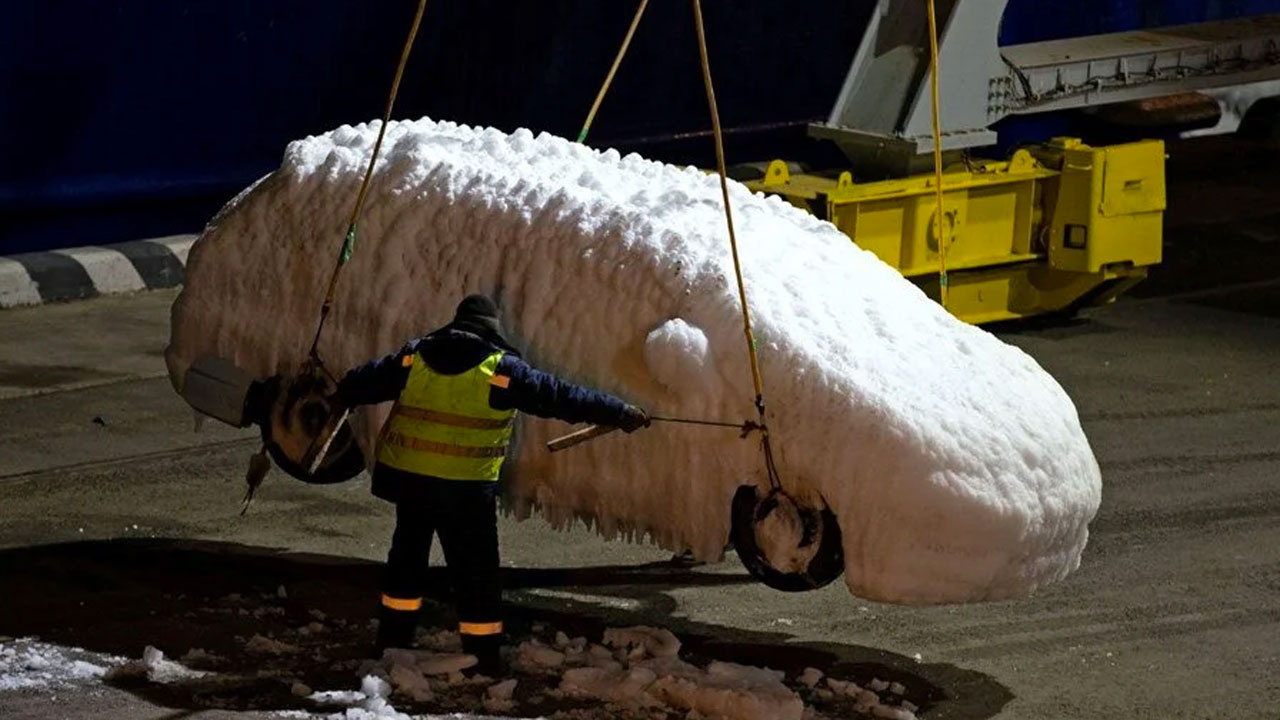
588	433
592	432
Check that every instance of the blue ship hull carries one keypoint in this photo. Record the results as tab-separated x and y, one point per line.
126	119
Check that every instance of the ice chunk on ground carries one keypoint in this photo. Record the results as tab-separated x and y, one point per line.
375	703
153	666
429	663
372	702
502	690
892	713
672	666
843	687
441	640
810	677
724	690
498	697
446	663
263	645
494	705
617	685
410	681
405	670
748	675
338	697
533	654
570	646
598	654
195	655
656	642
864	697
731	691
955	465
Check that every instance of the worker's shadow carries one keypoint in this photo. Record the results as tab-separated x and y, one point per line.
119	596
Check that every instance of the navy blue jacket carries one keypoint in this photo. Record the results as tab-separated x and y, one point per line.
450	351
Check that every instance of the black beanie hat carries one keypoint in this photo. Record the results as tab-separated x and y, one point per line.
478	315
477	308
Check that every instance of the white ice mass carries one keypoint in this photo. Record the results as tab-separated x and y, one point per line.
28	663
1234	103
956	466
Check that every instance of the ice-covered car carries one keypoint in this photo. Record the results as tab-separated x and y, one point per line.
955	466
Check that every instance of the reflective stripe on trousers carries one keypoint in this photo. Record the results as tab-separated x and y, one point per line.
402	604
464	514
485	628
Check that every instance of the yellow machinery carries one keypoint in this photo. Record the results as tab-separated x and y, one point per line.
1057	227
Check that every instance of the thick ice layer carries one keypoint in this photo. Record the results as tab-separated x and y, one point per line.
955	464
1234	103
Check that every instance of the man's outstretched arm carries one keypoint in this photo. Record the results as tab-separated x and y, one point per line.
378	380
530	390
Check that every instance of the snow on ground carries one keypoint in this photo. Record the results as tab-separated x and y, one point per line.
29	663
371	702
152	666
632	673
956	466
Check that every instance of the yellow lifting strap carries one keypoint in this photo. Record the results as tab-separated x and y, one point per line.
608	79
349	242
756	378
939	229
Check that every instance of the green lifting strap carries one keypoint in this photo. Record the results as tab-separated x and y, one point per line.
608	79
349	241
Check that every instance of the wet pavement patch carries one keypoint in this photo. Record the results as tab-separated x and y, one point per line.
263	623
37	377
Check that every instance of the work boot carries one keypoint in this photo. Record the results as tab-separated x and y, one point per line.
487	649
396	628
685	559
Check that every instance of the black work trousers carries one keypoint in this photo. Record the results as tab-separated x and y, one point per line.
464	515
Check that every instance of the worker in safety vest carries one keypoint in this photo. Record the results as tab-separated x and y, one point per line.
457	391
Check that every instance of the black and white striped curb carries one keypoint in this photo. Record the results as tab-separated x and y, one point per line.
85	272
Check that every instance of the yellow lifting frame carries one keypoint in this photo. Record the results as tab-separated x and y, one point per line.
1054	228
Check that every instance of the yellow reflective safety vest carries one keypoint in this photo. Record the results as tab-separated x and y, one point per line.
442	425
